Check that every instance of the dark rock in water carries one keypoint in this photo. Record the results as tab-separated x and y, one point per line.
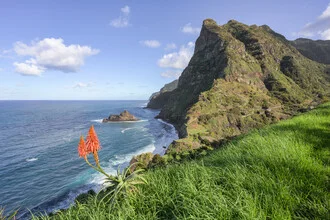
124	116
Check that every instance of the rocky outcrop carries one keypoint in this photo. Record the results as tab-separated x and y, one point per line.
141	161
318	50
124	116
158	99
240	77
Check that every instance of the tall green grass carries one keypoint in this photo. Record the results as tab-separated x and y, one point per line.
279	172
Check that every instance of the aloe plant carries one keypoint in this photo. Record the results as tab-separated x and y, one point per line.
3	217
123	183
115	186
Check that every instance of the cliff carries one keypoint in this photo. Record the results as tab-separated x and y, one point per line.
240	77
158	99
318	50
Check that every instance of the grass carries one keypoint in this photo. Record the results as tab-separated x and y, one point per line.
279	172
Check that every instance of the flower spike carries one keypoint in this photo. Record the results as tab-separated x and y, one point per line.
93	144
92	141
82	150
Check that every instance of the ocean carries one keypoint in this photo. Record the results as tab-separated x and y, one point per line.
40	169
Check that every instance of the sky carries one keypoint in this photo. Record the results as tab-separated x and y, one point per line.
125	49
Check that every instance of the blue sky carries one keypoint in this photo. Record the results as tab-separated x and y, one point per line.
116	50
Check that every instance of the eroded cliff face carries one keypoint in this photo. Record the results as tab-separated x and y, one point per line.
240	77
206	65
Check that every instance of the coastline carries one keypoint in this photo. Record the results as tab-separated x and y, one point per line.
69	198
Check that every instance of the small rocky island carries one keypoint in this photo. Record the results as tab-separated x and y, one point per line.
124	116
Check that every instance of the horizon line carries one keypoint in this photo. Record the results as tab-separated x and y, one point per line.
73	100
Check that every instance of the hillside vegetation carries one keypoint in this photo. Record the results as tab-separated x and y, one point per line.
240	77
317	50
279	172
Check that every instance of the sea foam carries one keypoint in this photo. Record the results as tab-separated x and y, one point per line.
31	159
126	129
100	121
97	120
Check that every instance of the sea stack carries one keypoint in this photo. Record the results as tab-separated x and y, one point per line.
124	116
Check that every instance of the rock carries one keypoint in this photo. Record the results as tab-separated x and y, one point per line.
140	161
124	116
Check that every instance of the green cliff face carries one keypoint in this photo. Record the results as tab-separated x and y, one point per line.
240	77
318	50
158	99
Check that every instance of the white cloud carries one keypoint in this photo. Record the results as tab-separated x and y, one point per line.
325	34
188	29
178	60
82	85
171	73
123	19
175	62
126	10
170	46
318	28
52	54
29	68
150	43
326	13
1	69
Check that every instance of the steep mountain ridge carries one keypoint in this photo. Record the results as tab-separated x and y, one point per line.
240	77
158	99
317	50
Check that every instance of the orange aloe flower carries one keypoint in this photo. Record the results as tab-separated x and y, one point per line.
82	150
93	144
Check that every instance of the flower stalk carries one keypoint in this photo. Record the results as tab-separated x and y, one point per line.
91	146
117	186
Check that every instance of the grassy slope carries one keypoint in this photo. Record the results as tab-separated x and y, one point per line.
278	172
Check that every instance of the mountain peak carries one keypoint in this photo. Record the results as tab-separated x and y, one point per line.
240	77
209	22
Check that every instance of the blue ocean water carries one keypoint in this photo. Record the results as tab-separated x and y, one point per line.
39	165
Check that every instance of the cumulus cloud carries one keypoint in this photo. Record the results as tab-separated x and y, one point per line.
51	54
178	60
29	68
150	43
170	46
325	34
171	73
123	19
175	62
319	27
188	29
